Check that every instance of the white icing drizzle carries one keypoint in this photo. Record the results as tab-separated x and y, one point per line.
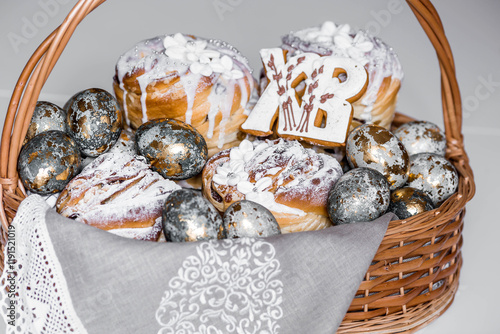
124	103
143	84
281	167
243	91
214	100
226	113
192	59
367	112
222	129
379	59
190	89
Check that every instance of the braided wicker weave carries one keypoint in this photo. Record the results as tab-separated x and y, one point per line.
414	275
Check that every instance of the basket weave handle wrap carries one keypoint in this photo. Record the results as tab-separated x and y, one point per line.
401	290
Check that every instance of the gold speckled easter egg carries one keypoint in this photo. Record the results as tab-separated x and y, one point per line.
94	121
375	147
422	137
434	175
188	216
361	194
48	162
46	116
247	219
408	201
174	149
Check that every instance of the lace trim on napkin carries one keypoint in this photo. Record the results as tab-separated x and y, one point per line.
41	303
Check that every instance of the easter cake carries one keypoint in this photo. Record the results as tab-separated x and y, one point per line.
206	83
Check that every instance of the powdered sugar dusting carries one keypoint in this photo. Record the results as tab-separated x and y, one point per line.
114	191
145	233
281	167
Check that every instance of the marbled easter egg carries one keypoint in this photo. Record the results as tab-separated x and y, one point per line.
434	175
422	137
361	194
94	121
46	116
249	219
188	216
174	149
48	162
408	201
375	147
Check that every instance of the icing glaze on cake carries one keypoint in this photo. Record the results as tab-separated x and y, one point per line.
198	64
379	59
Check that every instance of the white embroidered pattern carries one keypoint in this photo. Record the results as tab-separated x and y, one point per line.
229	286
42	303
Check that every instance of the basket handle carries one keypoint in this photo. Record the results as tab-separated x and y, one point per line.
452	104
43	60
29	85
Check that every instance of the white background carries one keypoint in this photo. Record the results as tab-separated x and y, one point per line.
472	28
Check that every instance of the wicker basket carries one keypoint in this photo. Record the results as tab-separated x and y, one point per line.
414	275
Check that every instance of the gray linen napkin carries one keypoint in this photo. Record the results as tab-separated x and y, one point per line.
293	283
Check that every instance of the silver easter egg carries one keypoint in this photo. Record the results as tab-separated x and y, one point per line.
188	216
249	219
408	201
361	194
48	162
94	121
376	147
421	137
434	175
174	149
46	116
70	101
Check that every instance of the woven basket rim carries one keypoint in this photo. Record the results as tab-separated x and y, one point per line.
448	217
